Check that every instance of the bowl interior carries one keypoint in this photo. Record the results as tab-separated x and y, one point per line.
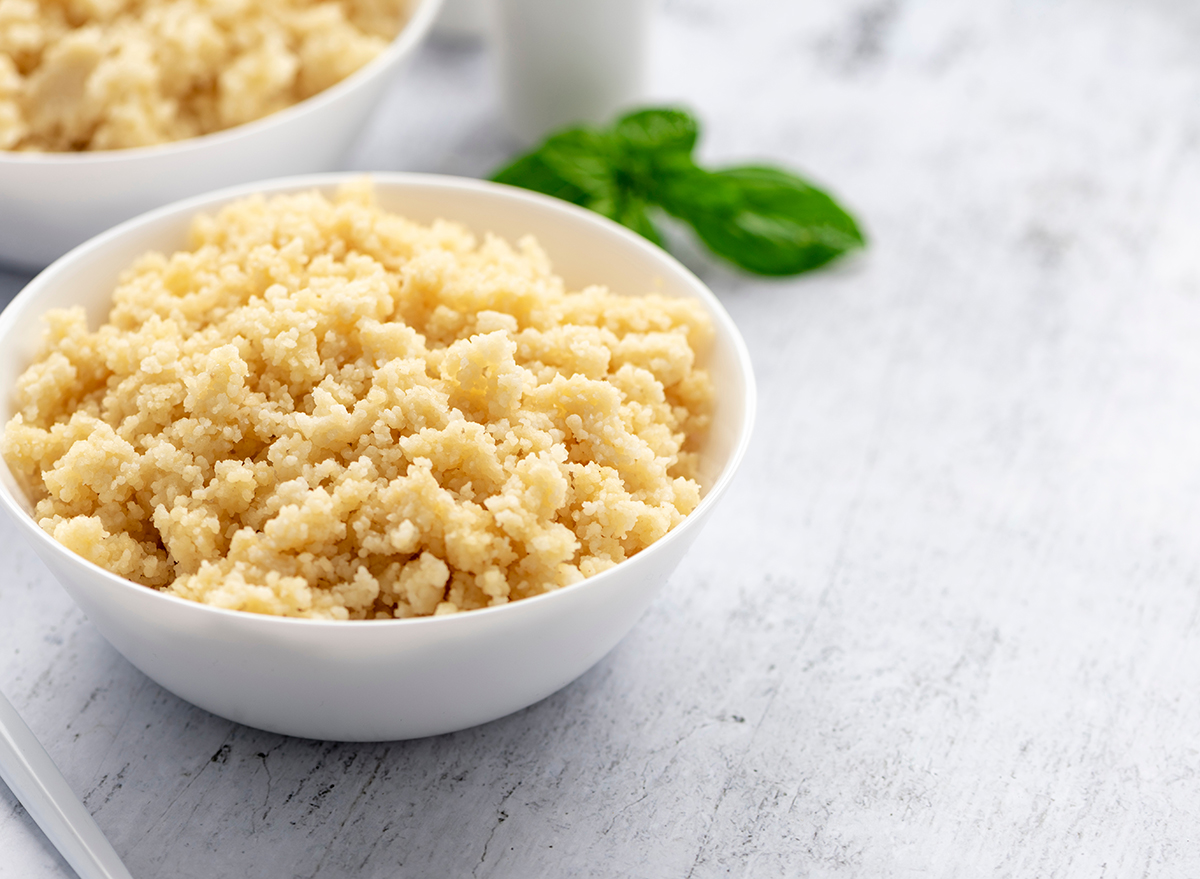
583	248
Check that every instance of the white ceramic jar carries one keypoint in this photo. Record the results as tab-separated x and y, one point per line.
566	61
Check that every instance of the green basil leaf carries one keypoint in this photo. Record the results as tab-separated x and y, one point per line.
650	145
584	166
658	131
687	190
634	215
763	219
531	172
584	158
574	165
629	211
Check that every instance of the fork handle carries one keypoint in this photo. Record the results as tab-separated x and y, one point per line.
32	776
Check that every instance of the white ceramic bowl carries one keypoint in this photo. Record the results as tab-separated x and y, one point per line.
391	679
50	202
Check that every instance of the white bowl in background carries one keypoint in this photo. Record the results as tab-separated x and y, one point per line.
50	202
385	679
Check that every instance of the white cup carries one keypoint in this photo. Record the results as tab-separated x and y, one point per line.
562	62
461	21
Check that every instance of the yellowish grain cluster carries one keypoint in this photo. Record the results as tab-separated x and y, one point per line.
324	410
111	74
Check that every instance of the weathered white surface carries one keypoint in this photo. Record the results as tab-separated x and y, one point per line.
947	622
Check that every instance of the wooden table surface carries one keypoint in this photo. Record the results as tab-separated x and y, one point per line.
946	622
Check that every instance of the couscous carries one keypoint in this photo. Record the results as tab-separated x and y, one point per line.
112	74
321	409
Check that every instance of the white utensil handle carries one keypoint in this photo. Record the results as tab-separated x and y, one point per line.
32	776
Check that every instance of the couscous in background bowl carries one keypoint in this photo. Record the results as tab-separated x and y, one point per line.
54	201
388	679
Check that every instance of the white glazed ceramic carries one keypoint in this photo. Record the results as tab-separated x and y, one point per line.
462	21
561	62
50	202
393	679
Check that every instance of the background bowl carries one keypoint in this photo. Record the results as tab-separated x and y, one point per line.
389	679
53	201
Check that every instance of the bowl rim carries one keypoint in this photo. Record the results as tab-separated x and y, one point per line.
211	200
410	36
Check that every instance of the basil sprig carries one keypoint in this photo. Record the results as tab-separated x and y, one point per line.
766	220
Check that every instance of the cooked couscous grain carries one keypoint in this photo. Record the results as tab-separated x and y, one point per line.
111	74
325	410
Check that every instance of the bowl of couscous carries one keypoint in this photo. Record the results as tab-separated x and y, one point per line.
367	458
108	110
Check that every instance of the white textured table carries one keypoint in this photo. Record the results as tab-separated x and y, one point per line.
947	622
